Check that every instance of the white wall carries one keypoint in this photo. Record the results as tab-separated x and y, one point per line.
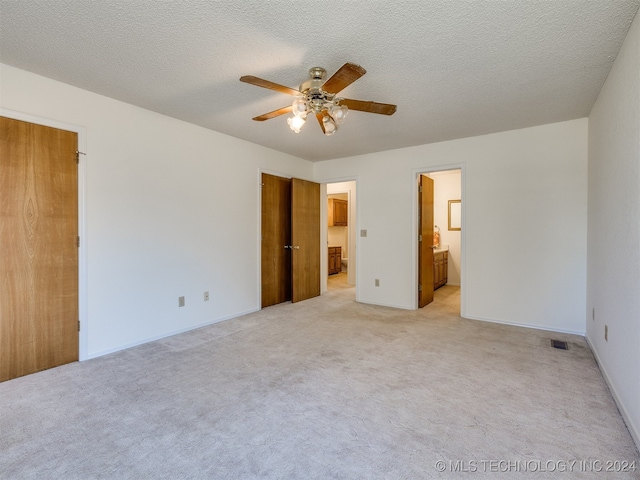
614	229
339	235
524	223
447	186
171	209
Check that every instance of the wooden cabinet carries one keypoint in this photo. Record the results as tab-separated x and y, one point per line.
335	260
440	268
337	212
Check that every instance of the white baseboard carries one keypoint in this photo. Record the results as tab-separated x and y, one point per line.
165	335
379	304
525	325
633	429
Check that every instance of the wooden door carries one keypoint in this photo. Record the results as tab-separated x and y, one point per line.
38	248
305	239
425	241
276	238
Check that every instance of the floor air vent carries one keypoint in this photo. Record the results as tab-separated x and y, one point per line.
559	344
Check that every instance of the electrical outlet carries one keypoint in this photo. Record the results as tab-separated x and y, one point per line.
206	296
180	301
377	282
606	333
363	233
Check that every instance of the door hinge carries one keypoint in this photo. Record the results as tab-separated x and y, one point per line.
78	325
419	188
419	287
419	238
78	242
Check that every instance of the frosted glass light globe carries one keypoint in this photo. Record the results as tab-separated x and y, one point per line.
295	123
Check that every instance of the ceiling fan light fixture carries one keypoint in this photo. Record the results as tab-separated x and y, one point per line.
300	107
295	123
338	113
330	126
319	98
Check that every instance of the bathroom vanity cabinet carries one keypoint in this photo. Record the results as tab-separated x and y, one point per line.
335	260
440	267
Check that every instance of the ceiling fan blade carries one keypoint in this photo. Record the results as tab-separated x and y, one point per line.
345	76
320	116
370	107
259	82
275	113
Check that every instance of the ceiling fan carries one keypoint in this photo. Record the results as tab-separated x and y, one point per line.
318	97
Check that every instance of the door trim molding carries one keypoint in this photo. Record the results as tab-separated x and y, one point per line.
82	216
414	209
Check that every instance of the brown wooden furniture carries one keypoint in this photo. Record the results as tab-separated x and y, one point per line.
335	260
440	268
337	212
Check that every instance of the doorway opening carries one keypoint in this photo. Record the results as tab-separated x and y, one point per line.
440	239
341	238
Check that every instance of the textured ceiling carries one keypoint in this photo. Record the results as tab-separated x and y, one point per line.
455	68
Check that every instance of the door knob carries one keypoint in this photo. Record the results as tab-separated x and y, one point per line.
297	247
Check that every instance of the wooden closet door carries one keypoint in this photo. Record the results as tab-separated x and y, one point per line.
305	239
38	248
276	235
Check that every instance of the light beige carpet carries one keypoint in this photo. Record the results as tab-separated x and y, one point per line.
321	389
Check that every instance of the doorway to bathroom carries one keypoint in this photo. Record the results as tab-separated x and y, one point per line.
440	239
341	237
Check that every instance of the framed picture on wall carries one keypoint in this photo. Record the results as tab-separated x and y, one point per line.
455	214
